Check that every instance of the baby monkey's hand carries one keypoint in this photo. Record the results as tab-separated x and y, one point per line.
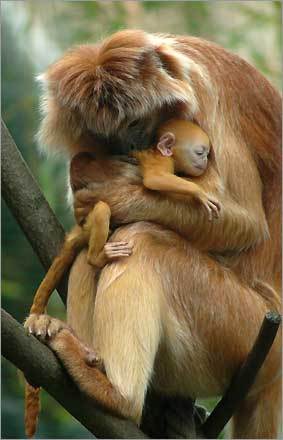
117	249
211	204
111	251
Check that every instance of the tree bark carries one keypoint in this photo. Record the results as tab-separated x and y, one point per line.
40	366
28	205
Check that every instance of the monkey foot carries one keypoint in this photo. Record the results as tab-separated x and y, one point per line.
89	378
44	327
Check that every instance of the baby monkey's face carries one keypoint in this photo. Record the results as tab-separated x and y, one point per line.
187	143
191	156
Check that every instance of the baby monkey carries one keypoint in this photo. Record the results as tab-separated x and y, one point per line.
182	148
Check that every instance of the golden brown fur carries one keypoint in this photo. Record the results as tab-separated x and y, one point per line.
189	310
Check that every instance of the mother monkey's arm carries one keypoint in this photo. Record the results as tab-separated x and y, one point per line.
239	226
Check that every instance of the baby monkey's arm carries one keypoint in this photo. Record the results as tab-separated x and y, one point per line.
94	233
158	175
97	225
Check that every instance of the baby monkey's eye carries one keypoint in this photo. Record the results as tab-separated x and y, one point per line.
201	151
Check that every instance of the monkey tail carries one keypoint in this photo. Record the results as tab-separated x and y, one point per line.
32	409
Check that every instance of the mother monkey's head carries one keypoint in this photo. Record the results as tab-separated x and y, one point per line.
117	91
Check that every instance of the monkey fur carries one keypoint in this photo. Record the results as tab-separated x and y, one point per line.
188	303
191	148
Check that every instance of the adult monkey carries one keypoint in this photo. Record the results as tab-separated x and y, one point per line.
194	310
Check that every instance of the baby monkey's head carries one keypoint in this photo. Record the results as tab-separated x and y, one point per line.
187	143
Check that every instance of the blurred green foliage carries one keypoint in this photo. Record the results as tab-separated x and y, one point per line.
35	33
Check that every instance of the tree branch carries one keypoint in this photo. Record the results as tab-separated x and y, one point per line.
244	378
28	205
41	366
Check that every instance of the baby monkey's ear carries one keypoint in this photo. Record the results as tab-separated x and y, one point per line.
165	144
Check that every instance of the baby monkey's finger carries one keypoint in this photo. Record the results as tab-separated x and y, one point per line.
118	249
118	244
122	249
216	203
115	255
214	209
209	211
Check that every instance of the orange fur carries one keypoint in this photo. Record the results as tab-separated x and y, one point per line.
158	170
32	409
146	316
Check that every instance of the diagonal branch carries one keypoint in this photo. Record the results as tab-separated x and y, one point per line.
41	366
244	378
28	205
